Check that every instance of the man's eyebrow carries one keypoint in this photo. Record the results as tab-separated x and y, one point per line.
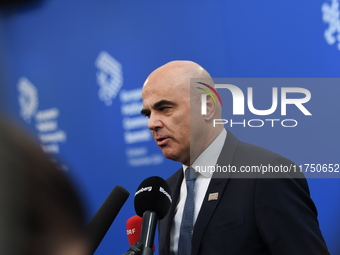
163	102
145	112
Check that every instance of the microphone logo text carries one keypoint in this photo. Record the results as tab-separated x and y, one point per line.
149	188
165	193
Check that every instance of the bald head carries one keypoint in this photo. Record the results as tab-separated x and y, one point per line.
179	72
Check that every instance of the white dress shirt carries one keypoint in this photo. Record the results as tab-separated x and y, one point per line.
207	158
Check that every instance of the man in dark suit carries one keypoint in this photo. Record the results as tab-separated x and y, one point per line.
233	211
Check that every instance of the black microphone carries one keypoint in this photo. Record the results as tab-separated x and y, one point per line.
102	220
152	202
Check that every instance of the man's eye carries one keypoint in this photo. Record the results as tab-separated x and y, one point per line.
164	108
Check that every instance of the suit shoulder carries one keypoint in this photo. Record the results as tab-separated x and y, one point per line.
174	177
255	153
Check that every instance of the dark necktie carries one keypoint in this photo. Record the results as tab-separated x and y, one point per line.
184	242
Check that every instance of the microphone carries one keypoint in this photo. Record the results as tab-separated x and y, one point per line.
152	202
103	218
133	230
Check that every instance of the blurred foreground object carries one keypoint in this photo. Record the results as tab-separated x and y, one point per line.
8	6
40	211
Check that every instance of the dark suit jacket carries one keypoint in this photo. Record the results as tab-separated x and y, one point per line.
251	215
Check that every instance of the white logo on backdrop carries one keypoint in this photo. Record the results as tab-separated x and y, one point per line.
28	99
109	77
136	132
46	121
330	15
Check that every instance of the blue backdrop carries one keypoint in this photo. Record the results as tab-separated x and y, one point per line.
74	71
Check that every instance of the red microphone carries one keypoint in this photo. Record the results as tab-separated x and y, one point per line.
133	228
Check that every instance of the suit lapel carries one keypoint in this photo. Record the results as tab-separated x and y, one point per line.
175	181
217	185
207	210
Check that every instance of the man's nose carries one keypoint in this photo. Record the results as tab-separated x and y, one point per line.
155	122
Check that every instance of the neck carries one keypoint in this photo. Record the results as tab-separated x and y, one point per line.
197	147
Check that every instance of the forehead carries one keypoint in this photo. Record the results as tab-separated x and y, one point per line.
165	88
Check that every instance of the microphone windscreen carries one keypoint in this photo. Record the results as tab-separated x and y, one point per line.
102	220
153	194
133	227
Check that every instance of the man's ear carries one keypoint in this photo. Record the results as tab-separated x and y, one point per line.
210	110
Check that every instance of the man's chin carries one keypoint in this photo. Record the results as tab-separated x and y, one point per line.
174	156
170	155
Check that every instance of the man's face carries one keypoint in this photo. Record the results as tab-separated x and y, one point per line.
166	103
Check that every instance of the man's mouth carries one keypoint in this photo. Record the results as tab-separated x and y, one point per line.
162	141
